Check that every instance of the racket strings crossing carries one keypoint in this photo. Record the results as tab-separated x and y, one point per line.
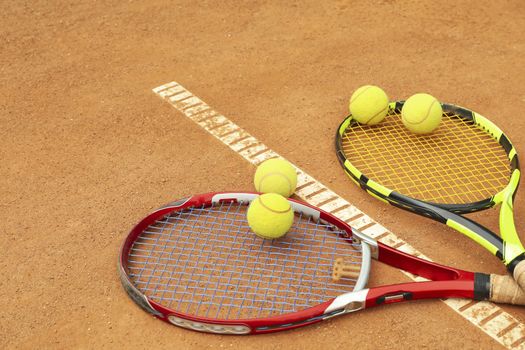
459	163
205	261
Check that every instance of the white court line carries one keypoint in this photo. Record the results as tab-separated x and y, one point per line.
489	317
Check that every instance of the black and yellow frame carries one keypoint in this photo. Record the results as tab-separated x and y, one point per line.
508	247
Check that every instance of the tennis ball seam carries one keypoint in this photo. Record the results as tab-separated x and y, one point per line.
354	99
375	115
273	210
426	115
259	185
359	94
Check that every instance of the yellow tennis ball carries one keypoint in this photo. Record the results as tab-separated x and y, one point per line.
368	105
422	113
270	215
275	176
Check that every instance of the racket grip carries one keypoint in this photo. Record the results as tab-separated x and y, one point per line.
519	273
504	289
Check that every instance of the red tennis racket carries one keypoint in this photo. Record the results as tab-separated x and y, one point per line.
196	264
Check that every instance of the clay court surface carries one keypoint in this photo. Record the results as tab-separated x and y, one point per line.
88	149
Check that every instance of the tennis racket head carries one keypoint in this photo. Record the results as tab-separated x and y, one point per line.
467	164
196	264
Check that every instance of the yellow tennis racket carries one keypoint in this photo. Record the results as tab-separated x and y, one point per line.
467	164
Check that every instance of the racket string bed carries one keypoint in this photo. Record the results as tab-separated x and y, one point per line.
409	152
196	264
460	163
205	261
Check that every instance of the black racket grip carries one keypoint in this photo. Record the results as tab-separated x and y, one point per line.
481	286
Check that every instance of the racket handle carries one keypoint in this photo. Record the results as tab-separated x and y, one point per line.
504	289
519	273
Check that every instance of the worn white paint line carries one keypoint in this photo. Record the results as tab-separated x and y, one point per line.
490	318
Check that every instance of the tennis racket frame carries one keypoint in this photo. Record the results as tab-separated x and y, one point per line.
507	247
444	281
